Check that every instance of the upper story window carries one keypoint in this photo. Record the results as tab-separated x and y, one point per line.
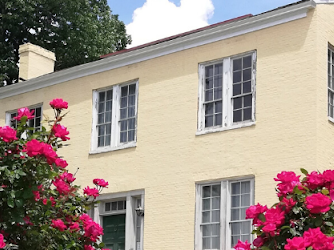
227	93
220	214
115	117
330	82
34	123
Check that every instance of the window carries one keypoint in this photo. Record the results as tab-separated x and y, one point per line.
115	117
227	93
220	214
34	123
330	82
123	228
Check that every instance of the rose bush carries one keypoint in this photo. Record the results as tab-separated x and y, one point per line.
40	207
302	219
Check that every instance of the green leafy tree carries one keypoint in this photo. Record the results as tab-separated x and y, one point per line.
41	207
78	31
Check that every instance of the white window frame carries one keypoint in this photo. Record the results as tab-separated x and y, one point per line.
9	113
225	210
330	90
115	143
130	218
227	95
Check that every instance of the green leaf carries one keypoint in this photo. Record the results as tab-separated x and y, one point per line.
309	248
295	210
318	221
304	171
293	231
297	191
325	191
19	202
10	202
328	223
285	227
262	217
265	248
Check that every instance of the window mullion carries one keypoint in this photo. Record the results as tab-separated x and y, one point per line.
115	117
95	119
201	86
227	99
224	219
253	84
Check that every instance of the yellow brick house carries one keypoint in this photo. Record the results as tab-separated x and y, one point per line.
190	130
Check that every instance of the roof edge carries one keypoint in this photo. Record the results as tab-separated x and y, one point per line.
221	32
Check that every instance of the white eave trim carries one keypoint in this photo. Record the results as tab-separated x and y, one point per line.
323	1
207	36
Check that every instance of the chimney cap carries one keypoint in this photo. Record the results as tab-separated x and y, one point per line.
29	47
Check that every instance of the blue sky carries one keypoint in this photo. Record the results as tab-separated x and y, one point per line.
149	20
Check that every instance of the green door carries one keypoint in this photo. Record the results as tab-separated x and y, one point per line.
114	232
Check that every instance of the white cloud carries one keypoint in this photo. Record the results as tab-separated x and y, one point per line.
157	19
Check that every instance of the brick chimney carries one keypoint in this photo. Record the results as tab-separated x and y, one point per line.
35	61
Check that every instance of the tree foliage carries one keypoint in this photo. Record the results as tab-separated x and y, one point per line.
78	31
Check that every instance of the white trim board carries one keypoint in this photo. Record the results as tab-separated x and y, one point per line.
323	1
210	35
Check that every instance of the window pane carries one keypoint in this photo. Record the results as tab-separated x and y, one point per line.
236	76
247	114
132	100
235	214
132	89
215	229
235	201
123	125
245	187
235	228
215	215
38	112
101	130
248	101
131	135
107	140
124	102
108	116
131	111
247	87
108	105
237	116
209	83
215	243
217	93
209	95
209	71
123	113
216	203
245	200
124	91
218	69
101	96
206	204
236	89
206	217
100	118
234	240
208	121
246	75
206	191
209	108
236	64
235	188
216	190
237	103
218	81
107	206
218	120
206	229
246	227
206	243
101	107
247	62
114	206
120	205
123	137
100	141
109	94
131	123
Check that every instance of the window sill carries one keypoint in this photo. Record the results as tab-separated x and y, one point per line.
330	119
219	129
110	149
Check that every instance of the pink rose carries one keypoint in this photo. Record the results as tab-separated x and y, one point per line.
315	180
45	201
2	243
91	192
254	211
86	219
61	163
74	227
88	247
62	186
258	242
287	204
33	148
101	182
8	134
318	203
296	243
68	177
93	230
242	245
24	112
37	195
274	216
319	241
58	104
59	224
288	181
49	153
27	221
60	131
328	175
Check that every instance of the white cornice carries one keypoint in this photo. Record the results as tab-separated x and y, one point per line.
206	36
323	1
